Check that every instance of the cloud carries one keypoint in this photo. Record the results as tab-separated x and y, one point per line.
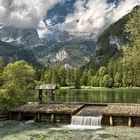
89	16
96	15
24	13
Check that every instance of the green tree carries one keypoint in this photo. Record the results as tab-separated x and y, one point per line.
102	71
1	71
62	76
95	81
118	80
85	77
77	76
107	81
18	81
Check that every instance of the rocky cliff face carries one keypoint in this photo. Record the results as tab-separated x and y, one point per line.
61	55
18	36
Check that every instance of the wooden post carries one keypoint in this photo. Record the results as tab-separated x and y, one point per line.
11	116
39	117
36	117
52	118
46	95
111	120
40	96
130	121
52	96
20	116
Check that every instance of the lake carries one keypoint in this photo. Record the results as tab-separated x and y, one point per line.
99	95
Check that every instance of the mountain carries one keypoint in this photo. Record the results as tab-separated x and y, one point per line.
119	43
18	36
74	53
62	35
13	53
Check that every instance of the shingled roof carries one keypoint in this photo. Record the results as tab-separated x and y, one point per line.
46	87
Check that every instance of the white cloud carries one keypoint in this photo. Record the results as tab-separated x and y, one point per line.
24	13
96	15
89	15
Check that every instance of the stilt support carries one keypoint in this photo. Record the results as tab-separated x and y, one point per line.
11	116
130	121
39	117
20	116
53	118
111	120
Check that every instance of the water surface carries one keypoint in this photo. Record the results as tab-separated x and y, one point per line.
99	95
21	131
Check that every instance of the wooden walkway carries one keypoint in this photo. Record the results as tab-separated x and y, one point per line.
122	110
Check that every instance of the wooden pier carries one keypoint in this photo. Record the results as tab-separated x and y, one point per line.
127	114
112	114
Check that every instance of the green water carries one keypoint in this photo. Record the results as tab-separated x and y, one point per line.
21	131
99	95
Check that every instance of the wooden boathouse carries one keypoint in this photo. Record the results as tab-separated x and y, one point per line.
46	87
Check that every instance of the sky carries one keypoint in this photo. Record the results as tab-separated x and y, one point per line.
86	16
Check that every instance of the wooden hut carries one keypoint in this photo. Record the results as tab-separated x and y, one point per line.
51	87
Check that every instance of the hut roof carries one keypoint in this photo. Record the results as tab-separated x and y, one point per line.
46	86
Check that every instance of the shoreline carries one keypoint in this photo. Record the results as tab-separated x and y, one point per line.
90	87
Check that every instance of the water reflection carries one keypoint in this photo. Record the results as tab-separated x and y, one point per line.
98	95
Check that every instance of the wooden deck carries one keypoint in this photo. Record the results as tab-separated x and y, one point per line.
122	110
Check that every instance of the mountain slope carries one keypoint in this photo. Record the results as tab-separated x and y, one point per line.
110	42
13	53
25	37
74	53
